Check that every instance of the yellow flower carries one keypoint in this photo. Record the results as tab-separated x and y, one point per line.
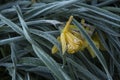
69	41
72	41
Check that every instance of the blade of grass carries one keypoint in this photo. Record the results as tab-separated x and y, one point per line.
91	67
9	40
101	19
11	24
48	37
105	3
102	26
50	8
100	11
14	60
112	9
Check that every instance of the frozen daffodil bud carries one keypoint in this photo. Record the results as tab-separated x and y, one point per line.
72	41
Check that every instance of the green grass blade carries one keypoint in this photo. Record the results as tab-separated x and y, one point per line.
101	12
50	8
11	24
9	40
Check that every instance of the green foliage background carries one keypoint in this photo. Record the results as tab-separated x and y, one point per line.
28	30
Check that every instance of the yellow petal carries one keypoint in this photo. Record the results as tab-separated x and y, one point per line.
84	45
73	43
54	49
71	48
77	34
73	27
63	42
68	24
70	37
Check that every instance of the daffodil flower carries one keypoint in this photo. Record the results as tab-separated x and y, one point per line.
72	41
69	39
